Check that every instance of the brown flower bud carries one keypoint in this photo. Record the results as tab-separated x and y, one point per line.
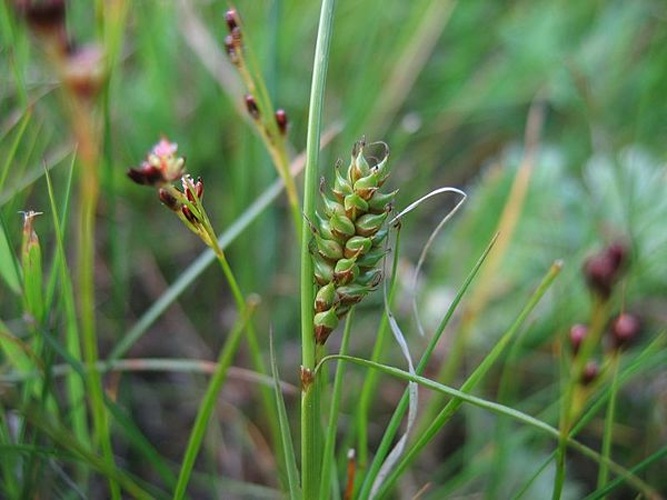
231	18
600	275
168	199
44	18
84	70
590	373
603	270
617	254
624	330
189	215
251	106
281	121
578	333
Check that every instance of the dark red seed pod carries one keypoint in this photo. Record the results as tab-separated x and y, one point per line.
199	188
590	373
44	17
147	175
168	199
189	215
232	20
624	330
281	121
578	333
617	254
251	106
600	274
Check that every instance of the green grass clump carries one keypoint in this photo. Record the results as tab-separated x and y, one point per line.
534	323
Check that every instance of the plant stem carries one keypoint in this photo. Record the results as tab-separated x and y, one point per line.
210	398
85	130
603	473
310	410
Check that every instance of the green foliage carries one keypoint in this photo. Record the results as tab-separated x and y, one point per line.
550	116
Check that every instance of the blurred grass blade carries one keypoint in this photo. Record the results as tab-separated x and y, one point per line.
10	155
392	427
459	396
75	382
207	404
17	352
285	434
69	442
471	382
9	267
612	485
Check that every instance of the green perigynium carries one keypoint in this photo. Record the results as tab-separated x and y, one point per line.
348	235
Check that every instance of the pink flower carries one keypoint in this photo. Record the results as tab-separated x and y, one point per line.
162	166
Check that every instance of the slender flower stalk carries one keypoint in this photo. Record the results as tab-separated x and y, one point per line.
160	170
270	125
311	434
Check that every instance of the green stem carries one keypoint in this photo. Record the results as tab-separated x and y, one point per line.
88	148
603	473
574	394
310	410
332	427
208	403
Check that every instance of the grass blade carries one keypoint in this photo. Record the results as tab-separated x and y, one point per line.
286	435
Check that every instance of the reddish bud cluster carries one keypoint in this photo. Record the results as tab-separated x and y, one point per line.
44	18
281	121
161	166
251	106
234	40
624	330
578	333
81	67
590	373
603	270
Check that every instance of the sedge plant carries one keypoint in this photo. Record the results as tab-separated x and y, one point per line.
345	219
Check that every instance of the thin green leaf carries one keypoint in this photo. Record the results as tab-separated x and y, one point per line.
285	433
394	423
460	397
9	267
472	381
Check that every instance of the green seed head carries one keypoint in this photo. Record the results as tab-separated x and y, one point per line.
347	238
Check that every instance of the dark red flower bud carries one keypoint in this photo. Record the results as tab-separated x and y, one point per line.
199	188
189	215
168	199
147	175
590	373
624	330
44	17
251	106
281	121
231	18
603	270
578	333
600	274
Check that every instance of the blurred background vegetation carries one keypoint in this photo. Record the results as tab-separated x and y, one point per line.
568	96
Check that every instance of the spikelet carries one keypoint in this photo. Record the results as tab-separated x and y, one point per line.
348	234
